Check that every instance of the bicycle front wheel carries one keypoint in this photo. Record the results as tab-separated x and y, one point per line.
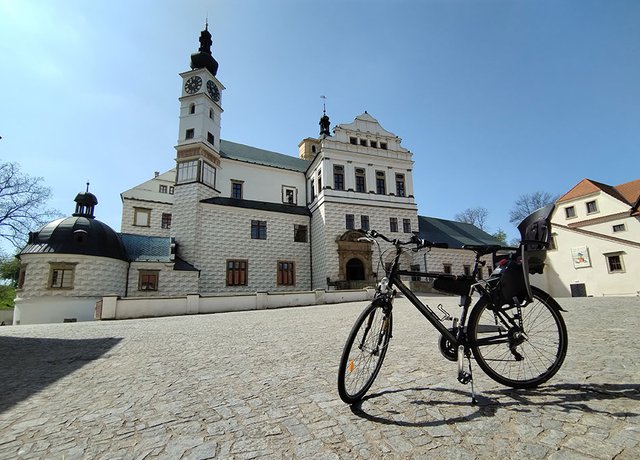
364	351
519	356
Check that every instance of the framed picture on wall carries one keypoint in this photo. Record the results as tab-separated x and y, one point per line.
580	256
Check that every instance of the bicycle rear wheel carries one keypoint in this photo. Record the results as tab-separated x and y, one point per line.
364	351
519	357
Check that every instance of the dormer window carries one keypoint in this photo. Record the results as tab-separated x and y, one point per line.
570	212
592	207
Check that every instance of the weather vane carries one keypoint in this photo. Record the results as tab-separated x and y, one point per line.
324	105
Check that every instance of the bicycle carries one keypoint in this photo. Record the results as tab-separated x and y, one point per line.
515	331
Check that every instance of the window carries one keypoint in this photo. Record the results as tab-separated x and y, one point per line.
192	108
338	177
300	233
187	171
619	228
353	140
236	272
211	113
570	212
393	224
363	142
289	195
21	275
141	217
163	189
364	222
61	275
258	230
383	145
286	274
319	181
208	174
466	270
361	182
446	268
374	144
614	263
406	225
171	189
381	187
313	149
210	138
189	134
166	220
236	189
148	280
313	190
350	221
400	191
415	268
592	207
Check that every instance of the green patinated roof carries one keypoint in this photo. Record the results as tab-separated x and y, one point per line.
455	234
254	155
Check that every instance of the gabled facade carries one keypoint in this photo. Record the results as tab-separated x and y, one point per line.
596	241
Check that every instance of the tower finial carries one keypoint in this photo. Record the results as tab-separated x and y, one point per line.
87	186
206	22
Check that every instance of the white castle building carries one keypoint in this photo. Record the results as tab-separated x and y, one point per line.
230	218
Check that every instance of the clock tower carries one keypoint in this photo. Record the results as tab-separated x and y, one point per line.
198	148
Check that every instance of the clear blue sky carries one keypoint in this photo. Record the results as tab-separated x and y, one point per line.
495	98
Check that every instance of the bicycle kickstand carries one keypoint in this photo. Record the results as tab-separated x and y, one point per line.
465	377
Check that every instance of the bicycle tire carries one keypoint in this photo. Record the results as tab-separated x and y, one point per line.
364	351
535	358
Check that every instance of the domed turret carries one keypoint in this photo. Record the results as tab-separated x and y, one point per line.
80	234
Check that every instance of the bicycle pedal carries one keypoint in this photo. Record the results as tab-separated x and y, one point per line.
465	377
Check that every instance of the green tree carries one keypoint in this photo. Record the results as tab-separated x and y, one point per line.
501	236
10	270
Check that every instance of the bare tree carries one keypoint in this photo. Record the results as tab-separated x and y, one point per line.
22	204
476	216
528	203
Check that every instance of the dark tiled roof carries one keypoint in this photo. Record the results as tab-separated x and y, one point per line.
455	234
142	248
260	205
76	235
262	157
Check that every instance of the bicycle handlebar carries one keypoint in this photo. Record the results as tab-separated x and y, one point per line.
419	242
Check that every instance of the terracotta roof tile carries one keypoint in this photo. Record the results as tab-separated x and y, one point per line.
630	191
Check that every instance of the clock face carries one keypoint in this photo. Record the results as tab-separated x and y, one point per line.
213	91
193	84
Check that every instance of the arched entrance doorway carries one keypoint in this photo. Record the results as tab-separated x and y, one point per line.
355	270
354	262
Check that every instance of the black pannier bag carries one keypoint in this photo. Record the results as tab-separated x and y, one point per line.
458	285
508	282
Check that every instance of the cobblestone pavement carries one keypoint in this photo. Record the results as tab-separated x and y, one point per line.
263	384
